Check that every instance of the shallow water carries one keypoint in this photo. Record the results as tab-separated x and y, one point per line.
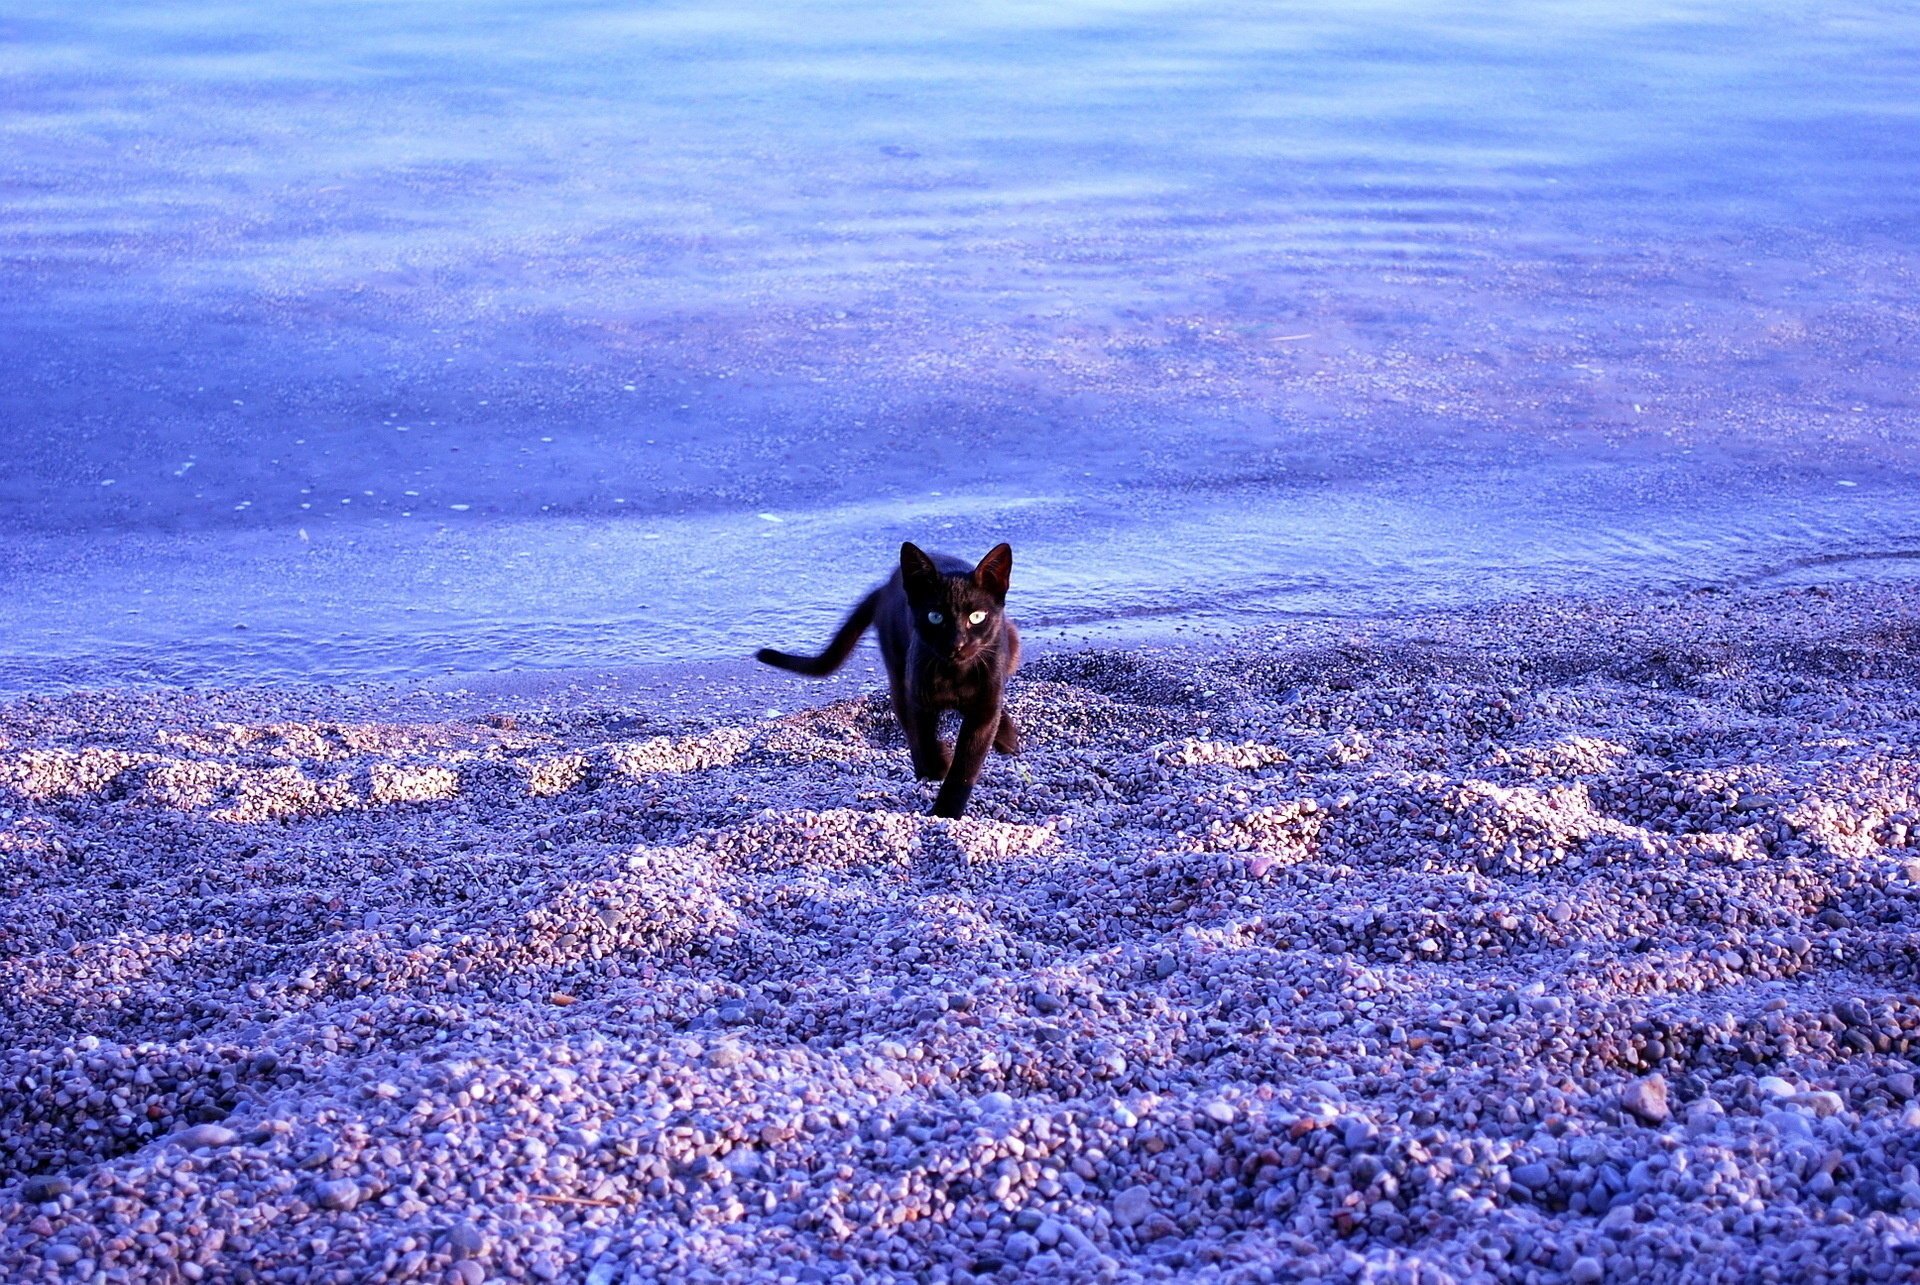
370	340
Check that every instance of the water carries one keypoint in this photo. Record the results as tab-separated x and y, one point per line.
366	340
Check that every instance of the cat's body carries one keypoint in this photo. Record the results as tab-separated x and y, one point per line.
939	657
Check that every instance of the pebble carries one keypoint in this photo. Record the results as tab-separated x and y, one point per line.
1822	1102
1133	1206
1536	1175
1586	1270
1647	1099
46	1187
464	1240
336	1193
205	1135
1788	1124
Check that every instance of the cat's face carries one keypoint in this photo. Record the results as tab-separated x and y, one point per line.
957	616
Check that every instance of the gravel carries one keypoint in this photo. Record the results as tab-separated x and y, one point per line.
1564	941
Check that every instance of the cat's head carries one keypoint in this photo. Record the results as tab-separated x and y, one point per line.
956	615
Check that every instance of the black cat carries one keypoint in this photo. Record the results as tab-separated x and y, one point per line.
948	645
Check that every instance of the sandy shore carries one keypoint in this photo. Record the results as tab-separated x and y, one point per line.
1566	941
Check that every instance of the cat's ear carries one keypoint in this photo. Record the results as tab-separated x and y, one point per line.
915	566
995	571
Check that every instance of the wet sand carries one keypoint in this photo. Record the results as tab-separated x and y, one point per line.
1565	940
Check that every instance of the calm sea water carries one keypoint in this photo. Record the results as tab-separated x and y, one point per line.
359	340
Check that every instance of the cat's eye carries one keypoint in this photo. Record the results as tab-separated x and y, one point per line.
977	617
934	617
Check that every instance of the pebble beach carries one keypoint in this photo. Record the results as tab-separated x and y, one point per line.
1564	940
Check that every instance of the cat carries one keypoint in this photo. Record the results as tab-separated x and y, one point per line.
948	644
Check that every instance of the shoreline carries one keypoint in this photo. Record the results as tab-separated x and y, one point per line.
1563	939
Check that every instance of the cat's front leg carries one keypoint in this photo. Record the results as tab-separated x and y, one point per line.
930	758
969	754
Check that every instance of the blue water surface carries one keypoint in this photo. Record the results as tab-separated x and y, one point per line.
369	340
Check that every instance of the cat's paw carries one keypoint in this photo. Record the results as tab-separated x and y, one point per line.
949	808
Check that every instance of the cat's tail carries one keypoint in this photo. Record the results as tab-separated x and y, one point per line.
837	651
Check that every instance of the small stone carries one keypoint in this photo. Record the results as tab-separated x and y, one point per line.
1221	1112
204	1135
63	1255
1647	1099
726	1053
336	1193
1900	1084
1704	1116
1048	1233
464	1240
995	1103
1165	967
1047	1005
1021	1246
1560	912
1535	1176
1133	1206
1788	1124
608	915
1822	1102
1775	1087
467	1272
38	1191
1586	1270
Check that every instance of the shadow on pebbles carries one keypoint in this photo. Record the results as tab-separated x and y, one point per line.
1556	942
